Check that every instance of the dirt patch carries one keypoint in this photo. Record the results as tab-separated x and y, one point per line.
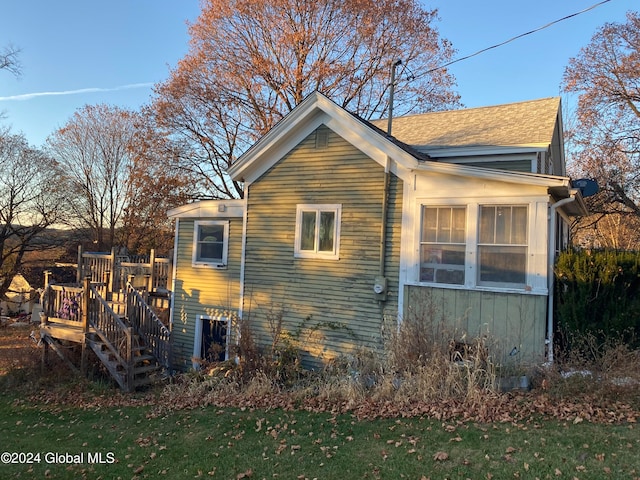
17	349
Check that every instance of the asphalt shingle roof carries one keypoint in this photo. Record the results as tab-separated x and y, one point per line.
522	123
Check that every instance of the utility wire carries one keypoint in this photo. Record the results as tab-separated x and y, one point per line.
519	36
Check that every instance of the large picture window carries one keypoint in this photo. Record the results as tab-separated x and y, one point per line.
317	231
443	244
502	245
210	243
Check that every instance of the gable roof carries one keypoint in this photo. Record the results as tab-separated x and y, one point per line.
530	123
316	109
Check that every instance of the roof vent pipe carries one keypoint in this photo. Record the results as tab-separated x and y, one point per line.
391	91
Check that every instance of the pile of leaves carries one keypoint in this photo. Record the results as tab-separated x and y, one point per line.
571	399
487	407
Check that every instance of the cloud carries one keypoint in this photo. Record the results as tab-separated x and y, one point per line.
29	96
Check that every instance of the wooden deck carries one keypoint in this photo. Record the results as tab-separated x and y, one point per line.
120	327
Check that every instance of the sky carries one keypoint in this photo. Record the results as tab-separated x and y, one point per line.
79	52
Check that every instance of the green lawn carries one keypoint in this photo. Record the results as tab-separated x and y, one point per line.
235	443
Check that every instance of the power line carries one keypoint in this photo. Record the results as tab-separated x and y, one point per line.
518	36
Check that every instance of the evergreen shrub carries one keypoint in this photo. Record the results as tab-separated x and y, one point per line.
597	292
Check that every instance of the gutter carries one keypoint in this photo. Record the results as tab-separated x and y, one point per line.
550	276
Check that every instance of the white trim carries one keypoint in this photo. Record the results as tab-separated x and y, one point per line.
535	280
195	261
174	273
336	208
209	209
197	339
243	252
481	151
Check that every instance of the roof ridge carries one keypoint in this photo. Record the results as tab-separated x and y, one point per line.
523	102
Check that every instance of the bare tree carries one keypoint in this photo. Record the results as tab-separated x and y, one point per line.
606	138
30	203
9	60
252	61
94	156
156	186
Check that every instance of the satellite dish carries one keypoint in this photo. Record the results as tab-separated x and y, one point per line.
587	186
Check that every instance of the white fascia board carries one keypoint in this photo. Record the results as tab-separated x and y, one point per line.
316	110
493	174
209	209
283	129
478	151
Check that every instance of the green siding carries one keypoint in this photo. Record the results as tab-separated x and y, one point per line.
512	165
327	305
506	320
202	291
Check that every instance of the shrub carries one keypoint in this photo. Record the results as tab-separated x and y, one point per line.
597	292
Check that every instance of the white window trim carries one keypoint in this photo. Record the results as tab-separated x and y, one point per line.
487	283
225	244
197	339
323	207
535	256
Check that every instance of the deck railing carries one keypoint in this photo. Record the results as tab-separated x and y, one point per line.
146	323
114	271
64	304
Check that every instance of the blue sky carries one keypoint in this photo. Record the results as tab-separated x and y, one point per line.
78	52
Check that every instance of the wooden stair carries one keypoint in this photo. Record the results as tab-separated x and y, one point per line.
143	369
124	332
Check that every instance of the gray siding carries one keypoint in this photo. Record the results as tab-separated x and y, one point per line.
202	291
505	320
327	306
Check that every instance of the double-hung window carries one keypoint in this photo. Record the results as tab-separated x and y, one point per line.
477	245
502	245
317	231
443	244
210	243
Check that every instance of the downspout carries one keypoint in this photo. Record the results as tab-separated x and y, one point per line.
551	254
383	218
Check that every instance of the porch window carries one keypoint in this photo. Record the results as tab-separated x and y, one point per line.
443	244
502	245
317	231
210	244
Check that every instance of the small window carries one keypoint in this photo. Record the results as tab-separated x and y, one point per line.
211	244
502	245
317	231
442	245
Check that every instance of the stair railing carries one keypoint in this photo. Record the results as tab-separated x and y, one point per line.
146	323
117	336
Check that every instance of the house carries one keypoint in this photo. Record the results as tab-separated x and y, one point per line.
344	231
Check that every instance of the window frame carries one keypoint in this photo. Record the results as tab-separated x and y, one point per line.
318	208
196	259
425	243
472	242
492	245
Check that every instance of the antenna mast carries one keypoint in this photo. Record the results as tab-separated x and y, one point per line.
393	86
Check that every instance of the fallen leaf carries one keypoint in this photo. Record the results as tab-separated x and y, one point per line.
441	456
246	474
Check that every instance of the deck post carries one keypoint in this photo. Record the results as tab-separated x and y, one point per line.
44	361
130	372
152	270
112	262
86	292
80	266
